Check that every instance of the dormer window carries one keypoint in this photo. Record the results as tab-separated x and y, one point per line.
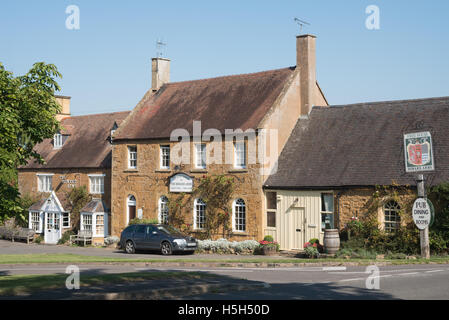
57	141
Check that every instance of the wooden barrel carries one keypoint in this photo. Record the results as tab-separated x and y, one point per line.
331	241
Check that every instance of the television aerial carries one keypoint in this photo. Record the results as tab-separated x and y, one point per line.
301	23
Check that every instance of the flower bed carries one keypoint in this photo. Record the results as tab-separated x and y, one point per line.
223	246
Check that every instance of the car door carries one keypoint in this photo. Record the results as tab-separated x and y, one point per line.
154	238
139	237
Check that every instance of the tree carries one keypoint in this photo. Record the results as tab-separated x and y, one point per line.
27	117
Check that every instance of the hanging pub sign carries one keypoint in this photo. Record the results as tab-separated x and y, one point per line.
181	182
418	152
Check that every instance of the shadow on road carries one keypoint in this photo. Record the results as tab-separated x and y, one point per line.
108	282
301	291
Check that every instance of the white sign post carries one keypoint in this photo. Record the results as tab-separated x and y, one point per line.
422	216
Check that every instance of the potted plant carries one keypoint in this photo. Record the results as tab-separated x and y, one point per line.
313	248
268	247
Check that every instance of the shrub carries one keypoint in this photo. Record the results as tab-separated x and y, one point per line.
143	221
65	237
314	243
268	238
227	247
358	253
111	240
311	252
39	239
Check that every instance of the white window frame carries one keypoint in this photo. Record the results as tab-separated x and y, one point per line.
391	206
200	156
132	157
202	204
65	216
164	157
239	154
93	223
96	183
163	210
237	206
324	212
45	185
39	221
269	210
57	141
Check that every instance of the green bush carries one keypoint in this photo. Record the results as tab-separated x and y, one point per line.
268	238
65	237
395	256
311	252
357	253
39	239
143	221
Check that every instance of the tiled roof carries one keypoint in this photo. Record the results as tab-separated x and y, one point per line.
362	145
87	146
230	102
95	206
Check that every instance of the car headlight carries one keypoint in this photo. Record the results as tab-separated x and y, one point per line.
180	242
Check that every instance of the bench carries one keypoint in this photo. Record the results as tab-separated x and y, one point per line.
23	234
84	236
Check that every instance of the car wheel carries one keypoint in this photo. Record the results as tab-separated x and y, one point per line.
129	248
166	248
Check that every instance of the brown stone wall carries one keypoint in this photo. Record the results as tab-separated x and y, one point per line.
148	183
359	202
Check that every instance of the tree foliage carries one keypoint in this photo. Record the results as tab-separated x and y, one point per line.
27	117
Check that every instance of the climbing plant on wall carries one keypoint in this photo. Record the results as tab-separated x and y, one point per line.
216	192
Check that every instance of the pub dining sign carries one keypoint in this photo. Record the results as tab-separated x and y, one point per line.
418	152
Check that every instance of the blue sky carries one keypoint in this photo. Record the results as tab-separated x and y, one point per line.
106	63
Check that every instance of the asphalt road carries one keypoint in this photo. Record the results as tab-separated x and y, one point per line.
394	282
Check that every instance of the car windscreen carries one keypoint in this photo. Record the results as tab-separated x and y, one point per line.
170	230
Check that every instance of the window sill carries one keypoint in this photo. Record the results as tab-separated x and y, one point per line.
236	170
239	233
163	170
198	171
131	170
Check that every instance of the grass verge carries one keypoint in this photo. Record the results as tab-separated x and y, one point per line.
75	258
25	284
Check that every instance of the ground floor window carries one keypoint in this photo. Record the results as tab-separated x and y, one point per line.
94	222
239	211
99	224
391	215
86	222
327	211
271	202
163	210
35	221
199	214
66	220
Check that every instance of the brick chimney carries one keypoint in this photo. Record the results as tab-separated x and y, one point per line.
160	72
306	62
64	102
